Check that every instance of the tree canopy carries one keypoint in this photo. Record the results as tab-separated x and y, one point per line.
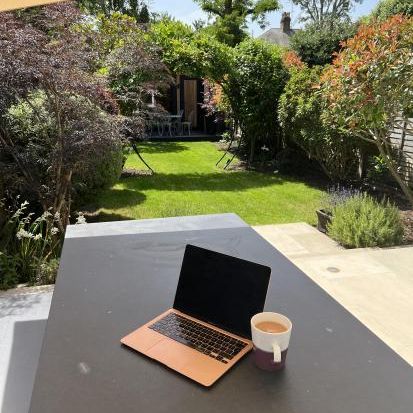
300	114
388	8
53	116
370	86
231	16
138	9
318	11
317	43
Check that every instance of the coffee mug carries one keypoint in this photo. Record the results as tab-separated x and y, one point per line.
270	348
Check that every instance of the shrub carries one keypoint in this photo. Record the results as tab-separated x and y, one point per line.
34	128
8	272
300	111
317	43
388	8
363	222
370	86
253	88
67	125
46	272
29	244
337	195
99	173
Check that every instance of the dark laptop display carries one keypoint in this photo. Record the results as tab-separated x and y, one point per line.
222	290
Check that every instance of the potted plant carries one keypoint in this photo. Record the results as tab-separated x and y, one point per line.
323	219
335	195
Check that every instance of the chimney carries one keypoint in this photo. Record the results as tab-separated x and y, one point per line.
286	22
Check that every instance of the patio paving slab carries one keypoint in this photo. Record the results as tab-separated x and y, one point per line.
375	285
23	316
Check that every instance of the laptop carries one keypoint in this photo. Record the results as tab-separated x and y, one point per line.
208	329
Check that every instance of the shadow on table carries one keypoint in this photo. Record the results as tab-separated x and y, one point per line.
27	342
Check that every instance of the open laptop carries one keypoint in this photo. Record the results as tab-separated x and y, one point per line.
208	329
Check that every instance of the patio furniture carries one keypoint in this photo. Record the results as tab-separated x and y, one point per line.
156	122
178	122
114	277
167	125
187	124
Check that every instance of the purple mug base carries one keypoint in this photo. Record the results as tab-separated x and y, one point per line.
265	360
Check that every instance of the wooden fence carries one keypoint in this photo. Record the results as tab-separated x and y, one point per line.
402	139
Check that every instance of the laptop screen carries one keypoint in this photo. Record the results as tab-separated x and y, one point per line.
221	290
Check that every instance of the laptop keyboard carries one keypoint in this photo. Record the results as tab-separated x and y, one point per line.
204	339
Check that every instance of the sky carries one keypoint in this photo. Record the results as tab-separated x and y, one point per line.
188	11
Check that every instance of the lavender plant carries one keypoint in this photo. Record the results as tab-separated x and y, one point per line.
337	195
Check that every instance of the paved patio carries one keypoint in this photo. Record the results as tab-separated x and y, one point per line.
23	317
375	285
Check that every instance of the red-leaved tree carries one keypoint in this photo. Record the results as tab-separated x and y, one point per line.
369	87
46	77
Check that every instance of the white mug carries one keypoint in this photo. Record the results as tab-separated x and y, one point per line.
270	349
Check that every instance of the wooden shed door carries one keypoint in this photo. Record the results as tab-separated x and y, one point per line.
191	107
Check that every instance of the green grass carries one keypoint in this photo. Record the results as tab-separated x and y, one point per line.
187	182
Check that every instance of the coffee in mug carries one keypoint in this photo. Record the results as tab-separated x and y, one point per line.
271	334
271	327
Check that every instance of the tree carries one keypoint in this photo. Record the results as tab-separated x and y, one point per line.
144	16
316	44
185	51
318	11
300	114
52	109
138	9
135	70
231	16
370	87
253	87
388	8
108	33
250	77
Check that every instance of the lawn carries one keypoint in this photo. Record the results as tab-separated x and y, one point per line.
187	182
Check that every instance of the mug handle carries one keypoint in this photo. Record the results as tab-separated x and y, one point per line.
277	352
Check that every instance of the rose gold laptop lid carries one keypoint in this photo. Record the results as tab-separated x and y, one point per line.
217	291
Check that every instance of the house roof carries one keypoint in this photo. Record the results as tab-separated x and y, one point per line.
278	36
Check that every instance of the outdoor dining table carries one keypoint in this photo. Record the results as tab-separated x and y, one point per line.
114	277
159	117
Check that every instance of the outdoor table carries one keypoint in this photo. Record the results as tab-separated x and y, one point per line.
114	277
162	117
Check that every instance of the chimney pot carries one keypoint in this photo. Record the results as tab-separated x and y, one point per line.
286	22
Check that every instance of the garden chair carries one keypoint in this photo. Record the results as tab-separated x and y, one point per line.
177	124
155	122
188	124
167	126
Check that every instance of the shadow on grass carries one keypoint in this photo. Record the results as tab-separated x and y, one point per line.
232	182
102	216
163	147
111	199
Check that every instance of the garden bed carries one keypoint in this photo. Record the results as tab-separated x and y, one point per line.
407	217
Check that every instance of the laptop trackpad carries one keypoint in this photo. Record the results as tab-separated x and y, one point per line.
171	353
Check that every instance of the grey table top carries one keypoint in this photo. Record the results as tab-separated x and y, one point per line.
109	285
